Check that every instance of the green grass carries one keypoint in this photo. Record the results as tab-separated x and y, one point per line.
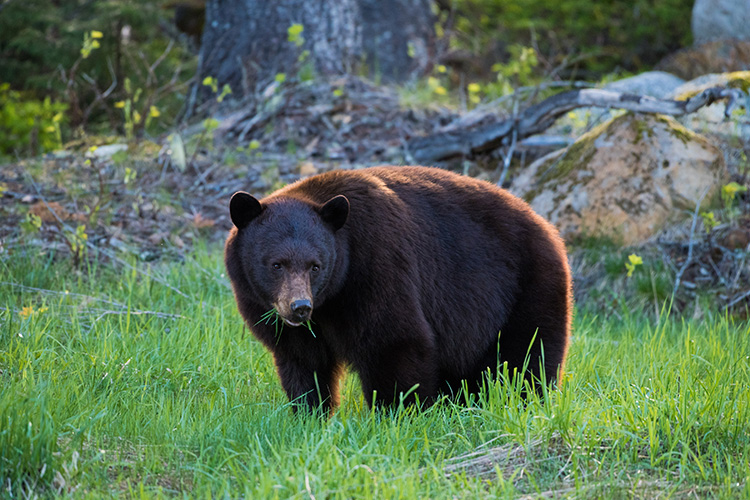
126	387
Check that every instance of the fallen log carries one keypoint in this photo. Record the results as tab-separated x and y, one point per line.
539	117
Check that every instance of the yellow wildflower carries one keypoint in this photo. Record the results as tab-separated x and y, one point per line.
633	261
29	311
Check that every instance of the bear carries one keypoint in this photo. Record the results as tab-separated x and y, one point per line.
420	280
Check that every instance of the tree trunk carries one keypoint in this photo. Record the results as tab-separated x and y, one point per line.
398	37
246	43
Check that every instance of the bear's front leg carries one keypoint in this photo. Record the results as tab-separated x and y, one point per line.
310	383
400	371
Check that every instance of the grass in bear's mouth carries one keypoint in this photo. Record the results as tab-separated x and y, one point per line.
278	322
271	315
308	324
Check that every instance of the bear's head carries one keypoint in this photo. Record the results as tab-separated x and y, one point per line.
286	250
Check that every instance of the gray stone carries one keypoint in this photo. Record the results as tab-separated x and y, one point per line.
720	20
658	84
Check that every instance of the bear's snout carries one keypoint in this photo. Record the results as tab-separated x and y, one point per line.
301	309
294	302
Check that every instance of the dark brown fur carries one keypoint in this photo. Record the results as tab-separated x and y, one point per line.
412	291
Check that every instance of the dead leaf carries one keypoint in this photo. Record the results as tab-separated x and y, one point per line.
158	238
312	144
44	210
177	241
201	222
344	119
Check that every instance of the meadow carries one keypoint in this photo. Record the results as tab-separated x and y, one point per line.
140	381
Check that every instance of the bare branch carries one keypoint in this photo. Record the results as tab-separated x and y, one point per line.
738	299
539	117
511	149
160	59
489	109
100	96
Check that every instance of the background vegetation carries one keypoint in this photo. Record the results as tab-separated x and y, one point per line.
581	39
49	55
47	52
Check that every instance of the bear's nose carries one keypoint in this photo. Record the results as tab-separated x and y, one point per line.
301	308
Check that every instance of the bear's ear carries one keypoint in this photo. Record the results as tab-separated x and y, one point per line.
335	211
243	208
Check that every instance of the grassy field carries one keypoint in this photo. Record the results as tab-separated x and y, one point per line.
143	382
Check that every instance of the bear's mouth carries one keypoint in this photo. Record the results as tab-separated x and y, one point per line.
296	313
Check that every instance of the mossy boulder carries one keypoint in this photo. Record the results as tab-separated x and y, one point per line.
624	180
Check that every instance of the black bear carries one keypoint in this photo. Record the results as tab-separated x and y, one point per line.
414	277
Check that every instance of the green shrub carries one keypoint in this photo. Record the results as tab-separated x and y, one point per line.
614	34
41	46
28	125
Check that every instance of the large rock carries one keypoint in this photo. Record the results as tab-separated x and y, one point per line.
623	180
720	20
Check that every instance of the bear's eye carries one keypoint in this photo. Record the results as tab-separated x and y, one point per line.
276	266
315	268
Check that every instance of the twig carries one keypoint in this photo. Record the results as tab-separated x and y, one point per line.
152	68
100	96
55	292
102	312
738	299
141	313
718	273
666	259
202	177
511	149
690	245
